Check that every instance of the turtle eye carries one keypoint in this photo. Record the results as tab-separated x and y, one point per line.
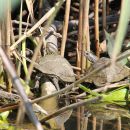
86	53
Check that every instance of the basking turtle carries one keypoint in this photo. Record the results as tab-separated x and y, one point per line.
108	75
52	104
57	67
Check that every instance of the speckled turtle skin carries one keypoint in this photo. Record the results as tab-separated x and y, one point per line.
110	74
56	65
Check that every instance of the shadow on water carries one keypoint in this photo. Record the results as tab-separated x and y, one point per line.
71	124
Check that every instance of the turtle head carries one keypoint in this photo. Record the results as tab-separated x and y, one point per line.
91	57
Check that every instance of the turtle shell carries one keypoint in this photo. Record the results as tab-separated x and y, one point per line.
56	65
110	74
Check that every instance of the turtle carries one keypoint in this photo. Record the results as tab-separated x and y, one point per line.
56	67
110	74
52	104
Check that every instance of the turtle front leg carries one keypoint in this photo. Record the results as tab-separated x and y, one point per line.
55	81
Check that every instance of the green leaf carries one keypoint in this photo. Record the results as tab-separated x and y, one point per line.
26	87
4	125
85	89
110	43
122	28
4	115
118	96
110	46
4	6
123	61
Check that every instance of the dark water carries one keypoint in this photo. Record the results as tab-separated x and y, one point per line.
107	125
71	124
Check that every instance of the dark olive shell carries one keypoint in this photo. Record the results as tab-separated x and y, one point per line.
56	65
108	75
